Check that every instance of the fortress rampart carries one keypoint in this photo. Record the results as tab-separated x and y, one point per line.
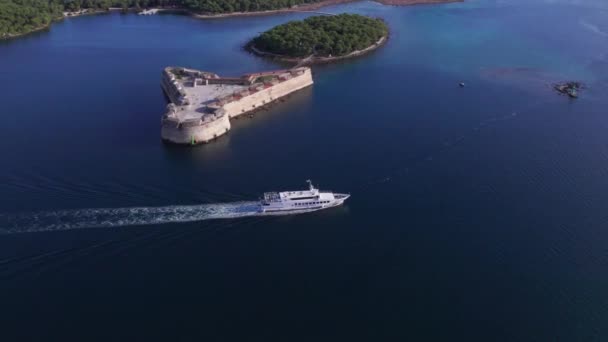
202	103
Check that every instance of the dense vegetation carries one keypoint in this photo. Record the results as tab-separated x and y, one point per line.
227	6
18	16
75	5
322	36
21	16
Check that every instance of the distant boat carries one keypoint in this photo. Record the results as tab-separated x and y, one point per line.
303	200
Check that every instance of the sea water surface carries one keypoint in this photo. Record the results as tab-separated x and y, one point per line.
477	213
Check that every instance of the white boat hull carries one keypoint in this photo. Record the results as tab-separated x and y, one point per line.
283	208
300	201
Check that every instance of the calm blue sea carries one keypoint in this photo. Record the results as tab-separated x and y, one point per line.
477	213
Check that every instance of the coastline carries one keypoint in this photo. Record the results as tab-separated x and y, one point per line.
83	12
298	8
415	2
310	7
301	61
19	35
94	12
48	26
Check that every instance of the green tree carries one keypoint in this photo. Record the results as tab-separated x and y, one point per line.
322	36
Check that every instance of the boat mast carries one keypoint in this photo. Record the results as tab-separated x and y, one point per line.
312	188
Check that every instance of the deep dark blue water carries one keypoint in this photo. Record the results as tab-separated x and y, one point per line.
477	213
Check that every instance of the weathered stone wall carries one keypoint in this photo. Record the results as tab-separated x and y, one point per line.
172	89
194	131
213	126
268	95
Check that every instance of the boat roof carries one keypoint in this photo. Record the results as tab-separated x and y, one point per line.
311	192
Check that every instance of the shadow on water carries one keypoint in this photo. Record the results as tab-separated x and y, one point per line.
245	126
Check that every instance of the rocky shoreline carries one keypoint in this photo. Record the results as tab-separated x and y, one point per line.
570	88
314	59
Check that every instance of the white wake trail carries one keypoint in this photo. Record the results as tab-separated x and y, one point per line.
593	28
118	217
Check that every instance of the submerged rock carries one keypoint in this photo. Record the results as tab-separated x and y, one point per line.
569	88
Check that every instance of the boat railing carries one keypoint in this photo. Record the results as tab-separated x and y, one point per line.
272	197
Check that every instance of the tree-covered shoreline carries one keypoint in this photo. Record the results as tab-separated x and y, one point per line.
22	16
19	17
230	6
321	36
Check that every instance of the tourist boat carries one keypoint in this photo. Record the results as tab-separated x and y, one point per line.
304	200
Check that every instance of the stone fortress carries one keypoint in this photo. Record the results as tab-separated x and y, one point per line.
202	103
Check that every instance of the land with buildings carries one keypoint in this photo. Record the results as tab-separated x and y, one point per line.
202	103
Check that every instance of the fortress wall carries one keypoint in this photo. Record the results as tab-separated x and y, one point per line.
171	89
268	95
227	80
187	131
213	126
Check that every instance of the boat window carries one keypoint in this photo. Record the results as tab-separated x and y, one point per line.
302	198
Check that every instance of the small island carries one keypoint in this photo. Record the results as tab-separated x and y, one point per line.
321	38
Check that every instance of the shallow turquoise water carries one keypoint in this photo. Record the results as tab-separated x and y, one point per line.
477	213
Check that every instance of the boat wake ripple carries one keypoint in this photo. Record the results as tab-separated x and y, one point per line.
593	28
118	217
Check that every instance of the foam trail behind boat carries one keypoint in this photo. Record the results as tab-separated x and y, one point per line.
118	217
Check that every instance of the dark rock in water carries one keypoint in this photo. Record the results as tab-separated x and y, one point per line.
569	88
461	84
